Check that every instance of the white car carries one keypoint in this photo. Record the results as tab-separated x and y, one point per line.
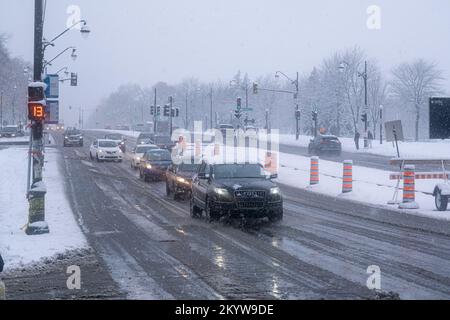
105	150
139	152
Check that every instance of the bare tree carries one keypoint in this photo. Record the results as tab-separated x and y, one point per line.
414	83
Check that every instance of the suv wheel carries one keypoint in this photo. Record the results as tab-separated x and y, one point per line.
195	211
167	189
212	215
276	217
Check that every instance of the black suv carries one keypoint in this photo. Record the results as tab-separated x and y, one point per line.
73	138
243	190
323	144
154	164
179	179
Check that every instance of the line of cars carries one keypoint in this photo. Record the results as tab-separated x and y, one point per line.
213	189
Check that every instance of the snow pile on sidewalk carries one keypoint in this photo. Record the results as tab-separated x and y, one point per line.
16	247
369	186
428	149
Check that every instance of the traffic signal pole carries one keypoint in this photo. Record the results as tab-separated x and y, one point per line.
297	110
36	192
366	143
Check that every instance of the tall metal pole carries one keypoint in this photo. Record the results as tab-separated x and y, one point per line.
366	143
186	112
297	110
155	114
211	109
381	124
1	110
36	193
170	114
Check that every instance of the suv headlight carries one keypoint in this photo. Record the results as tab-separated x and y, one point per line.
275	191
223	194
221	191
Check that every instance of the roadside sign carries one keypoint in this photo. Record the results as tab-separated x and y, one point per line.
390	126
246	109
52	112
52	89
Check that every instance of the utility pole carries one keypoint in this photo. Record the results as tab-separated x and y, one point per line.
36	192
155	114
1	109
211	108
366	143
267	120
170	114
186	112
297	110
381	124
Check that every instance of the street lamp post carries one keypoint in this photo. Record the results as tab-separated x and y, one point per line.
381	124
211	109
297	107
364	76
1	109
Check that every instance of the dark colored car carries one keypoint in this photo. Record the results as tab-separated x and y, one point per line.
145	138
323	144
73	138
154	164
163	142
11	132
243	190
179	179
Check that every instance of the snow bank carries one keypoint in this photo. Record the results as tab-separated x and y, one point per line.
16	247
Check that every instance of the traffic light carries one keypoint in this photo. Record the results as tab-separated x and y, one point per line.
73	79
239	103
158	111
175	112
36	93
314	115
297	114
364	117
255	88
166	110
152	110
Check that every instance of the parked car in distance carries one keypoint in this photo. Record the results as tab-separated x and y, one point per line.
154	164
323	144
243	190
164	142
73	137
105	150
138	153
11	132
145	138
179	179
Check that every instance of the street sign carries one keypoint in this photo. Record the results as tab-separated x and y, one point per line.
52	82
246	109
439	118
390	126
52	112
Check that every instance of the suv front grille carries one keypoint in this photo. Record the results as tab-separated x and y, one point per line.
255	195
250	204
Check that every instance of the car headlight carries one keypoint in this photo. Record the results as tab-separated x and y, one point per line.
182	180
148	166
100	151
221	191
275	191
13	135
66	137
138	159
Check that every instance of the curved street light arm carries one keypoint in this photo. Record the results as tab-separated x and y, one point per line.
69	28
57	56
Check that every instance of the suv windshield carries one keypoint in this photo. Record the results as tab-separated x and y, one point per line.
107	144
144	149
159	155
113	136
9	129
238	171
146	136
73	132
187	167
163	139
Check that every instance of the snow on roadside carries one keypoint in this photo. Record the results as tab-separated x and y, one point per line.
421	149
133	134
16	247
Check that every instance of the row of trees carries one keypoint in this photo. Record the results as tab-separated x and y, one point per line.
335	89
13	86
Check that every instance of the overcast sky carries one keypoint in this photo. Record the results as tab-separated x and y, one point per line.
146	41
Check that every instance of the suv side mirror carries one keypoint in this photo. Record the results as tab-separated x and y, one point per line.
274	176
